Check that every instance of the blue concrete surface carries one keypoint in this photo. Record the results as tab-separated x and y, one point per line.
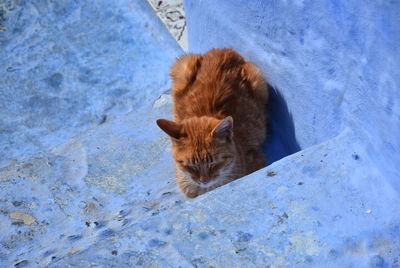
310	213
87	178
81	85
70	65
335	68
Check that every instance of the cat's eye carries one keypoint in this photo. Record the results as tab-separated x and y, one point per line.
190	169
215	167
225	157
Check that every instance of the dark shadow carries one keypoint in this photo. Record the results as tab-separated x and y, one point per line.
281	139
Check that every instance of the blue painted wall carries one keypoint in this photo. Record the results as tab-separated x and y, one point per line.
334	65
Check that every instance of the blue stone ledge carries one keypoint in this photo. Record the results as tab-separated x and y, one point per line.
316	208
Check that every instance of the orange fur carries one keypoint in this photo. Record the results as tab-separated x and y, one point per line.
220	123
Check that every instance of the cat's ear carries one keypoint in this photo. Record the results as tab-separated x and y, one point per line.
224	130
173	129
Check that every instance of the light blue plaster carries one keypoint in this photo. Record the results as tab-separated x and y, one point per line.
81	85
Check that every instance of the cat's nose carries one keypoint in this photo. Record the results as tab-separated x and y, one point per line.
204	179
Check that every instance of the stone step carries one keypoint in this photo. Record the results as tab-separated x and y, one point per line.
101	181
80	154
68	67
304	210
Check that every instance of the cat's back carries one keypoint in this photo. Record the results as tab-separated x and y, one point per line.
218	65
195	72
214	84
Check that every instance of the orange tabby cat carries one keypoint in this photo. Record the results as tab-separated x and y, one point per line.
220	122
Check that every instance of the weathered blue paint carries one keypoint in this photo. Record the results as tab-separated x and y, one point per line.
81	87
335	64
335	69
69	65
338	216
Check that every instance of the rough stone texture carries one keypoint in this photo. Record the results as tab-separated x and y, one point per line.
80	154
311	213
68	66
81	87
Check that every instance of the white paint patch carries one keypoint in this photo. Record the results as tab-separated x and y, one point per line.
162	100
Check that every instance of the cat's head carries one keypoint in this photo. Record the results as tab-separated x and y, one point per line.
203	148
